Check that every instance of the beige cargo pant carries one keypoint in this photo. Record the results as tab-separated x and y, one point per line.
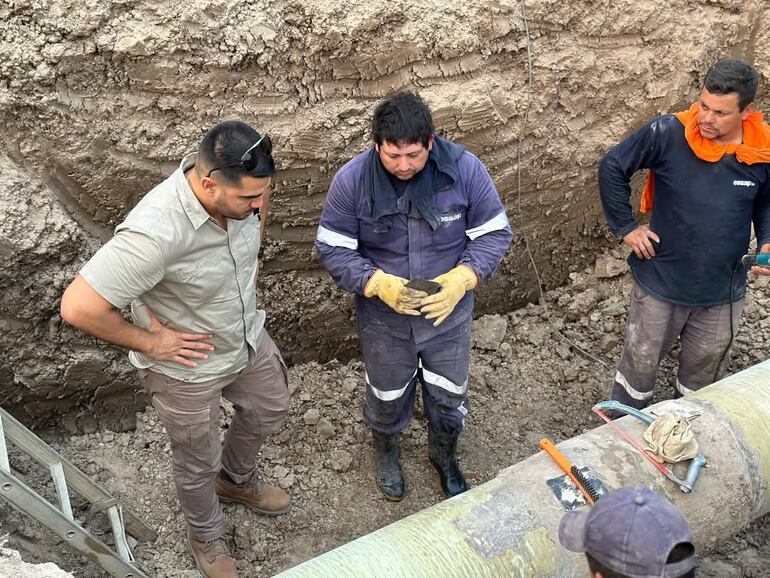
190	414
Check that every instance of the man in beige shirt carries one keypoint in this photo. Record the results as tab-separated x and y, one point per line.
185	260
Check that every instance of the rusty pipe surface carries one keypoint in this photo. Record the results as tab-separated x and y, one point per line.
509	525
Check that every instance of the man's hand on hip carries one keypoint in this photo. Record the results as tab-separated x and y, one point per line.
83	307
454	284
172	345
640	240
392	291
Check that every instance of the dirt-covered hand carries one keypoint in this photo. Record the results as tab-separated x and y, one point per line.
454	284
168	344
640	240
392	290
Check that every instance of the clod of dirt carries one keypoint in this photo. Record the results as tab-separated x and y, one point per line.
488	332
608	267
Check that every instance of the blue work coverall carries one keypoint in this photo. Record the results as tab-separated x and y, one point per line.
400	349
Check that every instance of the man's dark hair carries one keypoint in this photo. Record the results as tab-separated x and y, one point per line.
678	553
223	146
404	118
732	75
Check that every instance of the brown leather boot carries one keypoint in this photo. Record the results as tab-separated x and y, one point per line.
262	498
213	558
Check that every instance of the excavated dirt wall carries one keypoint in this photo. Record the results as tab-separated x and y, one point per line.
99	99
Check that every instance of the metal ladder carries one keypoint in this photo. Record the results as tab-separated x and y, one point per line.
61	520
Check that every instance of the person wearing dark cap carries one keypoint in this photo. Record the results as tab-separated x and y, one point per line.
632	533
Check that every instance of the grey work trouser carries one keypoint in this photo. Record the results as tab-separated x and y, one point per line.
190	414
653	326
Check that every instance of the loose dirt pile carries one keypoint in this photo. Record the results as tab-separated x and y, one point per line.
526	383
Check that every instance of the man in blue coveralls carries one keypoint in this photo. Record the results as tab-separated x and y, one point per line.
415	206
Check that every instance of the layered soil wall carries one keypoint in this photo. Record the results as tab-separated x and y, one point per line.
99	100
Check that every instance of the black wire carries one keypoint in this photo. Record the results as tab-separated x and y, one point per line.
610	369
732	334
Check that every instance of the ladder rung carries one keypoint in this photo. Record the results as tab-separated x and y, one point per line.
24	499
28	442
97	507
116	520
59	481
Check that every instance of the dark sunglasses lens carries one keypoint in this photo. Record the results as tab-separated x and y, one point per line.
259	160
258	165
268	166
249	161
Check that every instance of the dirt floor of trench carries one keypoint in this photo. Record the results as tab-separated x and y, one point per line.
526	383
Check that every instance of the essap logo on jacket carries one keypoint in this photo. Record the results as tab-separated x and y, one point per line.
450	218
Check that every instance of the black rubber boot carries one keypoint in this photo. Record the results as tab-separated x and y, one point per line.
390	478
442	448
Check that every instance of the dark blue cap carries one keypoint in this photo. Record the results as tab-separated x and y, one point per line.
631	531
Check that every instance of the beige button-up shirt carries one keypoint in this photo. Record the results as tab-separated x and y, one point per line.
171	256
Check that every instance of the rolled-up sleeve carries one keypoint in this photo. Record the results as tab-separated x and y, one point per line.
128	265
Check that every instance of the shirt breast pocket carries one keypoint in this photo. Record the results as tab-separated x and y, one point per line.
371	232
745	190
205	280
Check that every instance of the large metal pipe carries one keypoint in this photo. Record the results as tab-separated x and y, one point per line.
508	526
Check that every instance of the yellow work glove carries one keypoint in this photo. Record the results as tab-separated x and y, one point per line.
394	293
454	284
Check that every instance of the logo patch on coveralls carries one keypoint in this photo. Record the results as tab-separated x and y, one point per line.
450	218
744	184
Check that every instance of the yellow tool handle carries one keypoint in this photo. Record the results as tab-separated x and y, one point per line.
562	461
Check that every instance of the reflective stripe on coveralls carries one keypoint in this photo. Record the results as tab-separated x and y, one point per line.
334	239
683	389
623	382
496	223
428	376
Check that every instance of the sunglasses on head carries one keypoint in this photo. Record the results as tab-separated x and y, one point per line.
257	161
